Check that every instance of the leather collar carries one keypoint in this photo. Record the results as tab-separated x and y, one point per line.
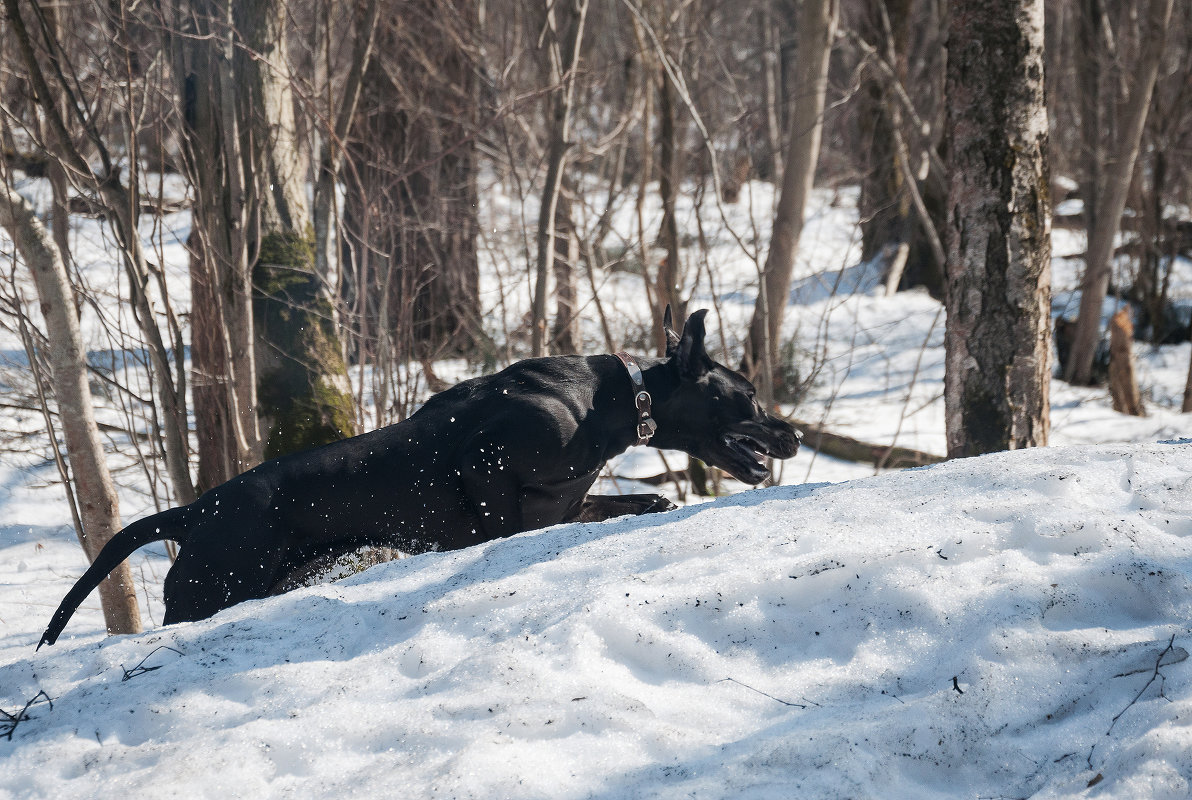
646	426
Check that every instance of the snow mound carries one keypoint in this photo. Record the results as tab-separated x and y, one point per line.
1013	625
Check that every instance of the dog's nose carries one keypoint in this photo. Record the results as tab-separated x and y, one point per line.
796	439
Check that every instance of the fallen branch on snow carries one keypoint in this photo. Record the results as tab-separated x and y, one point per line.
850	449
9	722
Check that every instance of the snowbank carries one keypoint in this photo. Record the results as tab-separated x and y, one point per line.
1011	626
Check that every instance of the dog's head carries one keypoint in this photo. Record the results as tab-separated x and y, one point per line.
713	413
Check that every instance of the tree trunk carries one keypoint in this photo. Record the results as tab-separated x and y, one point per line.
99	507
223	360
331	148
302	382
220	454
1094	114
1151	283
647	67
884	206
816	30
999	233
1186	406
850	449
1111	202
668	290
902	204
58	18
771	90
566	27
564	330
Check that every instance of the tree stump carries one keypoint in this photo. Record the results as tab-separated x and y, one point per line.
1123	384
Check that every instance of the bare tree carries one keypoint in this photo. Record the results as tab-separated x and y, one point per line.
902	185
564	330
884	205
198	36
816	28
412	283
56	88
563	35
1111	197
270	374
999	234
1162	181
669	285
1186	404
99	509
340	110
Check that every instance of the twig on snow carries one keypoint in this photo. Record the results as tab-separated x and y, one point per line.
9	722
772	697
141	669
1155	673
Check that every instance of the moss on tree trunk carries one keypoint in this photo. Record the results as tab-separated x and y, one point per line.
302	383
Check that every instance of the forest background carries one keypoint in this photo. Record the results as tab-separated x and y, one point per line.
372	199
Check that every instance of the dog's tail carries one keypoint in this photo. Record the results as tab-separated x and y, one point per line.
154	528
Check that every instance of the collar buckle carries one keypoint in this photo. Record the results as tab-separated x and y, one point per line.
646	426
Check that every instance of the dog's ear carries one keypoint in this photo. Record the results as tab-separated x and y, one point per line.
689	353
668	328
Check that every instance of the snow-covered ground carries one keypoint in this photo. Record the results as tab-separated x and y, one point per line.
1009	626
969	630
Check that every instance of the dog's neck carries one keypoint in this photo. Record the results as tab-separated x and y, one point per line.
642	401
620	408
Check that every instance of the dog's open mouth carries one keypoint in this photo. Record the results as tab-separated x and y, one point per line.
747	447
748	457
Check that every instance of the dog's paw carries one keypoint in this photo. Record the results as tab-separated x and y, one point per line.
659	505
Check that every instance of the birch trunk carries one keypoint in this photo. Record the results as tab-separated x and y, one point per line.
998	292
99	509
123	211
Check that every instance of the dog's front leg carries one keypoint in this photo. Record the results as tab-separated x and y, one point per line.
599	507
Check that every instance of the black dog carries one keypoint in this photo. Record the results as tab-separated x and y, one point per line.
488	458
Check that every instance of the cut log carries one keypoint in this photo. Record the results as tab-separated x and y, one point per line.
1123	384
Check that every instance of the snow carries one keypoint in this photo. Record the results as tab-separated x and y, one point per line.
970	629
1015	625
